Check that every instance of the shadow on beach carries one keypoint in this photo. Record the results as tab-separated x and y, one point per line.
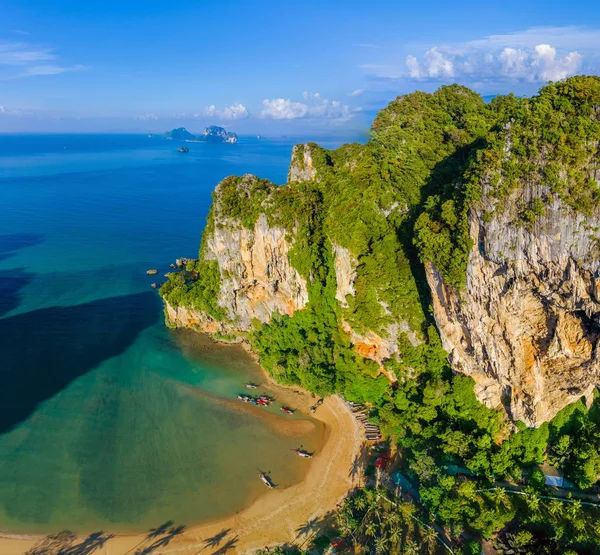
66	543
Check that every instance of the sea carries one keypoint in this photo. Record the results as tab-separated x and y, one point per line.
108	419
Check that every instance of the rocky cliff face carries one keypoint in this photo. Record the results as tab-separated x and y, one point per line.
527	326
345	273
257	278
302	166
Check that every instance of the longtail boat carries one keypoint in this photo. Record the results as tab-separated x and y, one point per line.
266	480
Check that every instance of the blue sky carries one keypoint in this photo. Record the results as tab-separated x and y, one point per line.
271	67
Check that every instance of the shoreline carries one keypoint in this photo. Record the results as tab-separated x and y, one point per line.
276	515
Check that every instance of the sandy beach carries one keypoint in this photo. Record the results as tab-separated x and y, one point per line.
274	518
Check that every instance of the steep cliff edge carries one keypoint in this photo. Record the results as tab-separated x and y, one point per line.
526	323
269	252
526	327
254	277
487	212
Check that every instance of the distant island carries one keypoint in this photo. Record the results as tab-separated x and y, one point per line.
212	134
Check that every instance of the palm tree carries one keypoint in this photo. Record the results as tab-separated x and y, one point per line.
500	496
345	522
395	535
429	538
406	511
370	529
360	502
411	548
533	501
391	519
575	509
381	544
555	507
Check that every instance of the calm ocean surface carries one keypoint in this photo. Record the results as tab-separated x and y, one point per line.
107	419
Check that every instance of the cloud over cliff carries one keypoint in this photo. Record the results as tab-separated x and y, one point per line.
541	63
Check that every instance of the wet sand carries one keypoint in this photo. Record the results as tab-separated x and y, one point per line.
273	518
279	423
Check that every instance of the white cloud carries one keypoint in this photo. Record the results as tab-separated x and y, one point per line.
49	69
6	111
357	92
438	63
538	64
20	53
236	111
534	55
30	60
563	38
280	108
147	117
414	68
551	68
314	106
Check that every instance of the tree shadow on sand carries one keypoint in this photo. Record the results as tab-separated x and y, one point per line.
227	546
215	540
358	464
65	543
161	536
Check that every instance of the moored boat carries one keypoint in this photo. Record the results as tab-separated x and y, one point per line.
266	480
303	454
287	410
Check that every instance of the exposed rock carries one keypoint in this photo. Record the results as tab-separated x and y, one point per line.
188	317
214	133
179	134
302	166
345	273
527	326
374	346
257	278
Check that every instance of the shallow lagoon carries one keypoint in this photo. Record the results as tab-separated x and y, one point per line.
108	420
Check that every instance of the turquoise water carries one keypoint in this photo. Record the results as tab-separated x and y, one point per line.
107	419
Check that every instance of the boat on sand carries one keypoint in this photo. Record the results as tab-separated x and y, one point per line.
266	480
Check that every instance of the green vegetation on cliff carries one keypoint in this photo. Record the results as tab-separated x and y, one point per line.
394	203
549	140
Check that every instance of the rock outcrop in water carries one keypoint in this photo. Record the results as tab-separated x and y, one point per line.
212	134
512	263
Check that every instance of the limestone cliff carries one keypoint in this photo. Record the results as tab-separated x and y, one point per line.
256	278
263	240
302	166
526	327
500	201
